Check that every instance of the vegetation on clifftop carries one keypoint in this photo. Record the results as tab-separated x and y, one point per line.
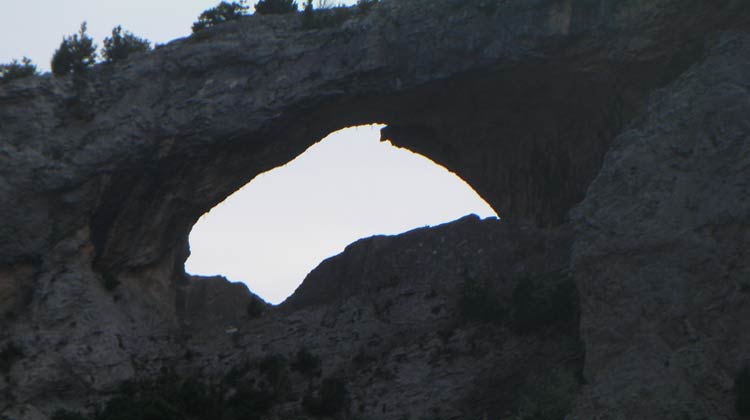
121	45
328	15
78	52
223	12
275	7
17	70
75	55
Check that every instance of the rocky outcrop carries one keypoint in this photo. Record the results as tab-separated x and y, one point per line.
102	177
394	316
661	256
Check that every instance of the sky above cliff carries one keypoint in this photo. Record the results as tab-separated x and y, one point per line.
271	233
36	29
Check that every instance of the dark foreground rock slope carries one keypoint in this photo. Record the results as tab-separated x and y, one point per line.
632	114
420	325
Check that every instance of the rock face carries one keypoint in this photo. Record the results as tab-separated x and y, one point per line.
661	256
405	328
521	100
634	110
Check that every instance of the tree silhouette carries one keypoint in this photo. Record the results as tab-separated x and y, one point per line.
270	7
76	54
17	70
121	45
222	13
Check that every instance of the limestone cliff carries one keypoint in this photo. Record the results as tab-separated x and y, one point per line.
662	258
419	325
631	114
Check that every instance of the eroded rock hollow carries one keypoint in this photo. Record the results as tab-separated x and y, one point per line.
611	137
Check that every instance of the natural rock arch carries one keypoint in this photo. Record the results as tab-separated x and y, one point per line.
152	144
521	100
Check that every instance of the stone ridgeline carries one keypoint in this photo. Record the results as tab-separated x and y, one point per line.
611	136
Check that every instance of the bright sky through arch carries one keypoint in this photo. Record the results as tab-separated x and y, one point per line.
281	225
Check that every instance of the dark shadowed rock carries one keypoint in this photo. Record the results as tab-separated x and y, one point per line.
393	317
661	255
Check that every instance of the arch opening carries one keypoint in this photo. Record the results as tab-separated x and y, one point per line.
273	231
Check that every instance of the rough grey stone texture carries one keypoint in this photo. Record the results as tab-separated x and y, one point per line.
396	332
520	99
661	252
386	316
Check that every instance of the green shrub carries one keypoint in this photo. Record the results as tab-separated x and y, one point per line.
140	408
745	284
306	362
194	397
542	300
255	307
331	398
742	392
222	13
487	7
332	17
479	302
308	15
62	414
76	54
365	5
328	4
121	45
9	355
110	281
248	403
329	15
17	70
235	374
171	398
548	396
277	385
273	367
275	7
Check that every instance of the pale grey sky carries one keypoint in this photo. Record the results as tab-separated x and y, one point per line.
276	229
272	232
35	29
